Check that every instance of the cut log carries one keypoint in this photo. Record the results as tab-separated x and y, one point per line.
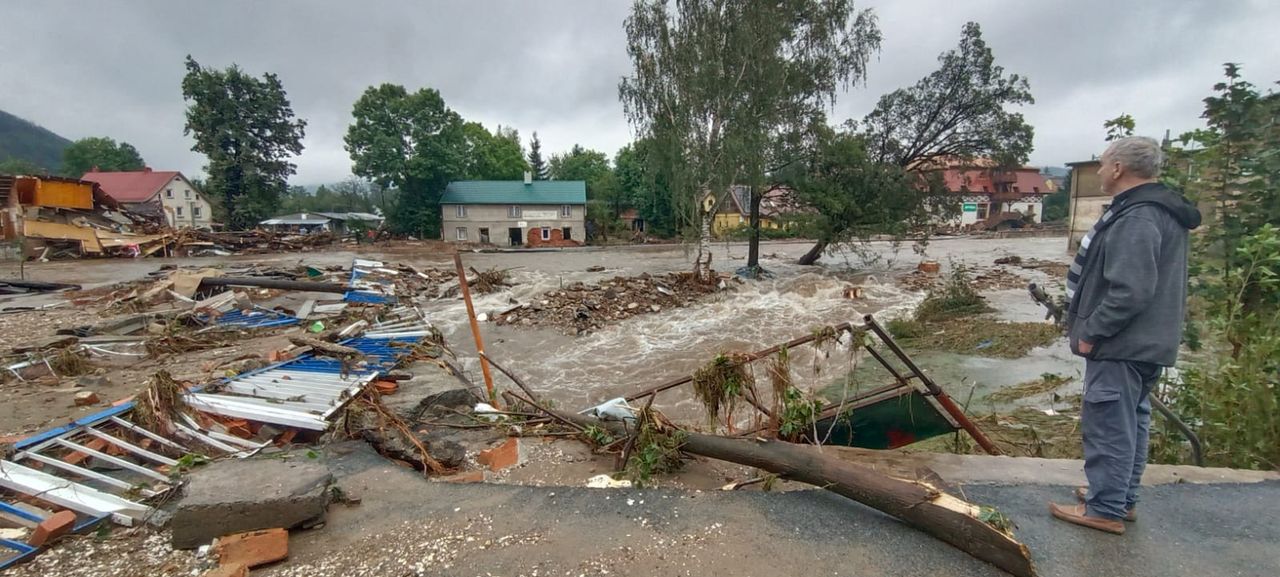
327	348
271	283
915	502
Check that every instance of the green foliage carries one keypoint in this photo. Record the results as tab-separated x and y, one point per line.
957	297
1229	392
1119	127
798	414
246	128
20	166
725	92
536	163
493	155
656	449
720	384
602	221
642	185
39	149
604	202
1057	206
996	519
958	111
410	142
905	328
351	195
104	153
598	436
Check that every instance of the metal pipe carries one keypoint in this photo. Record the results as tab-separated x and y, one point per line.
475	330
271	283
1196	452
944	399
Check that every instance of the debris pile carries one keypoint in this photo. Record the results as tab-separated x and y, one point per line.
580	308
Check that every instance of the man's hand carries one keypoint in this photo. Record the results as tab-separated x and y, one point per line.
1085	347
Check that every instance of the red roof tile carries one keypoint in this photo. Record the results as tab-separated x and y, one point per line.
133	186
1028	181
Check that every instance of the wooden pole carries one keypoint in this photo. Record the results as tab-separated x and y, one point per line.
475	329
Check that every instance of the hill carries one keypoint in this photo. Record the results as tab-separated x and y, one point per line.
31	142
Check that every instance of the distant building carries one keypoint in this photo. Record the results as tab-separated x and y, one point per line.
1088	202
339	223
990	197
166	194
775	203
39	214
515	213
632	220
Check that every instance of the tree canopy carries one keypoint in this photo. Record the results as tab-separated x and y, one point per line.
715	82
493	155
101	152
245	126
411	142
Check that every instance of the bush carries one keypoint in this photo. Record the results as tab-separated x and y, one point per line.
956	298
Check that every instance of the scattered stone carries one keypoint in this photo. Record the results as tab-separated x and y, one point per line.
253	548
284	494
86	398
929	267
1014	259
580	308
93	381
596	268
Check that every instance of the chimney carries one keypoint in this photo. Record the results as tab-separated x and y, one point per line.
94	169
528	177
146	169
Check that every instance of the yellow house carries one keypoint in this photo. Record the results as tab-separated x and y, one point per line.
735	210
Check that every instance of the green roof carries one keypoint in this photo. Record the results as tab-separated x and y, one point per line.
515	192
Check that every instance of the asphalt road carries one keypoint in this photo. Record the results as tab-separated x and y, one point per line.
1184	530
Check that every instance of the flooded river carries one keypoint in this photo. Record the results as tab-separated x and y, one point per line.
650	349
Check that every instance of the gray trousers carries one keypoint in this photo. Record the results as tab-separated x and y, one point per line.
1115	421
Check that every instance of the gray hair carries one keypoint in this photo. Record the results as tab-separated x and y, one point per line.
1139	154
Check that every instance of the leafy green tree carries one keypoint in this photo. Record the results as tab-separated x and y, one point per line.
20	166
246	128
411	142
104	153
715	82
958	112
1119	127
536	162
592	167
641	185
1057	205
493	155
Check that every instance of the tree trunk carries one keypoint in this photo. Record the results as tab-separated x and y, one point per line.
917	503
702	267
814	253
753	247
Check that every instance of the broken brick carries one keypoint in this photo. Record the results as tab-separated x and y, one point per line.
286	437
86	398
253	548
229	570
386	387
50	529
502	456
76	457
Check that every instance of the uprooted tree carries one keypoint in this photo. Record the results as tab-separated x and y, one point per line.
715	83
958	113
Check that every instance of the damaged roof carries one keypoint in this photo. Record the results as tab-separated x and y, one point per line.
134	185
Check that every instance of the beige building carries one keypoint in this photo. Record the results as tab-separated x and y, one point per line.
1088	202
157	193
514	213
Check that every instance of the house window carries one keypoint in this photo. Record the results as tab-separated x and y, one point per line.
177	210
168	193
461	233
460	211
513	211
566	211
195	211
983	210
546	233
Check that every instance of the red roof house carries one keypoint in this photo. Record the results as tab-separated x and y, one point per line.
164	193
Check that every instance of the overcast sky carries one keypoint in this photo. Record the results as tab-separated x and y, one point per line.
91	68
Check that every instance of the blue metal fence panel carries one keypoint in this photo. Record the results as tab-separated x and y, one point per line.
254	318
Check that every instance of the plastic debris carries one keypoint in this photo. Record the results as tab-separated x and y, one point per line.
607	482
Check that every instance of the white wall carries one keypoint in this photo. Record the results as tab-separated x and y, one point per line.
184	206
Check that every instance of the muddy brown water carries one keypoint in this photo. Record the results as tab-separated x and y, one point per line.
578	372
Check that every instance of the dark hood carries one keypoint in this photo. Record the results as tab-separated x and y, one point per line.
1181	209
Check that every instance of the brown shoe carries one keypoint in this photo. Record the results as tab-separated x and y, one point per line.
1082	495
1076	514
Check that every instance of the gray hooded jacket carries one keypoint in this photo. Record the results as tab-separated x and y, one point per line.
1132	297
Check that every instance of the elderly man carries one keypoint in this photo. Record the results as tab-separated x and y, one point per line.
1128	293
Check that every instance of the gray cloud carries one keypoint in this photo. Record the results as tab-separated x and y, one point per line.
553	66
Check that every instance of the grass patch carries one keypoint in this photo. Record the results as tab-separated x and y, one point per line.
986	337
958	297
1047	382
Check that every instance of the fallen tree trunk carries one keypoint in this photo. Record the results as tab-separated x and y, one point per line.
327	348
290	285
966	526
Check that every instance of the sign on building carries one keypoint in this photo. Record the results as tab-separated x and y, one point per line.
970	207
540	214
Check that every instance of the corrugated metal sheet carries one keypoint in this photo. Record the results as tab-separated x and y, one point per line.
515	192
367	287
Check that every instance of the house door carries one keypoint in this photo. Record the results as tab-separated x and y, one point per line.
515	237
484	236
